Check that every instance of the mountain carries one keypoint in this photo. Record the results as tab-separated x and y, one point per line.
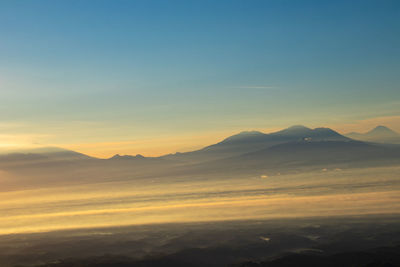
293	149
296	148
317	134
380	134
250	141
306	155
40	156
126	157
241	143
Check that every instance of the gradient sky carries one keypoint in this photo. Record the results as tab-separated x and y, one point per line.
153	77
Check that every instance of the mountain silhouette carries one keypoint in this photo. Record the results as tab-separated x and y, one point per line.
249	141
126	157
45	156
296	148
381	134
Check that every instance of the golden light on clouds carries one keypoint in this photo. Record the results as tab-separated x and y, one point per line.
212	209
190	200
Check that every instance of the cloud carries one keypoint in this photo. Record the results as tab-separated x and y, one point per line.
256	87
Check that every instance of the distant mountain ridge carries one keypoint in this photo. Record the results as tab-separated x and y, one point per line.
118	156
380	134
47	152
297	147
235	145
39	156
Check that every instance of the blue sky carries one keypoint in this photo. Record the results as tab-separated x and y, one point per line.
80	72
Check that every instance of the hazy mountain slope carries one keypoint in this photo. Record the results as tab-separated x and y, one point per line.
380	134
323	152
294	149
246	142
297	132
58	167
41	156
304	155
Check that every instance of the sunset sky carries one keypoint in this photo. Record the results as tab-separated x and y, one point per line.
155	77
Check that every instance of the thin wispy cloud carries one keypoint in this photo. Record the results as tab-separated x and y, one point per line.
256	87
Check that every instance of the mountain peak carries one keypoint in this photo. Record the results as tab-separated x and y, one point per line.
118	156
381	129
379	134
324	129
245	135
298	127
294	130
301	132
249	133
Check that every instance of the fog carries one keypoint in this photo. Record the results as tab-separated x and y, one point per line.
82	204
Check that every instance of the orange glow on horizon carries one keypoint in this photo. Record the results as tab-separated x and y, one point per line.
162	145
363	126
168	145
151	146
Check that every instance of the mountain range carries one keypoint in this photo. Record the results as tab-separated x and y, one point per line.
251	141
296	148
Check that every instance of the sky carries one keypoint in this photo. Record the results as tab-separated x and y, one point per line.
156	77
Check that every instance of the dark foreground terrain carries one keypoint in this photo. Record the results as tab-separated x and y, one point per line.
344	241
385	257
